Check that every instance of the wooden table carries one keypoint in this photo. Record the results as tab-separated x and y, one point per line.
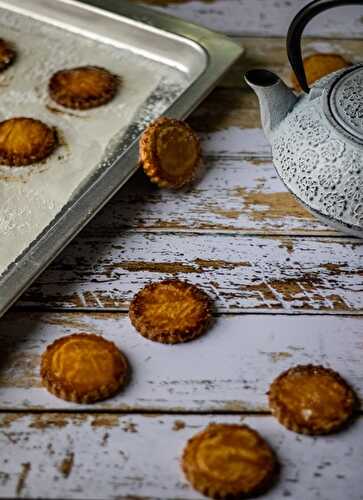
288	290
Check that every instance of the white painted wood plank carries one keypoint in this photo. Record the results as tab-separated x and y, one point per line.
235	142
229	126
228	369
262	17
109	456
231	195
228	123
241	273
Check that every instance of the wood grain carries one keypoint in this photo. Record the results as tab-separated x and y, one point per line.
261	17
106	456
239	234
242	274
232	195
228	123
229	369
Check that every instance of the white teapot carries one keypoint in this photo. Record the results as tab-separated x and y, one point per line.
317	138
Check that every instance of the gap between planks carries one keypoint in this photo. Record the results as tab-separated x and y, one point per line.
326	234
135	412
115	457
229	369
263	273
124	412
221	312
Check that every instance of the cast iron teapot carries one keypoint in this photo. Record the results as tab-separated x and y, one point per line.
317	138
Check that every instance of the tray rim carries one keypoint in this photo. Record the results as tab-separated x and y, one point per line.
221	54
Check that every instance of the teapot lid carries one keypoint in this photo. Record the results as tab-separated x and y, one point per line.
345	103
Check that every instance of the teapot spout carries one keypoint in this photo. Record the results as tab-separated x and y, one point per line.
276	99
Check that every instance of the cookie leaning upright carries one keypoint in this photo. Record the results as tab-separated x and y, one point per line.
311	400
229	462
170	311
170	153
83	368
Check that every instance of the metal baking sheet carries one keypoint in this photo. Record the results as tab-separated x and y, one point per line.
167	66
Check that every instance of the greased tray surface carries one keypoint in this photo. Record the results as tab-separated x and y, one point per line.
43	206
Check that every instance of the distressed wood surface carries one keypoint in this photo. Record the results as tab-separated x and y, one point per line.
228	123
231	196
240	235
248	273
230	368
108	456
261	17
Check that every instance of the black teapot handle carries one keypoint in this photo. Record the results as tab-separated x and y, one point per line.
296	30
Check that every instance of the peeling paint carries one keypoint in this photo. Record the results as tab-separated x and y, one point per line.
4	478
230	214
178	425
105	439
68	321
130	427
153	267
43	421
218	264
252	272
279	356
105	421
8	419
65	467
272	205
20	485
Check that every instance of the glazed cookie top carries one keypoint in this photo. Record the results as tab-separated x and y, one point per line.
228	461
83	87
311	399
83	368
24	141
170	311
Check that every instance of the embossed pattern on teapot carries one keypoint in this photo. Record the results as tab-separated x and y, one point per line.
317	138
317	160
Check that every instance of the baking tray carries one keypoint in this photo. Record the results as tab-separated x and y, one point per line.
194	56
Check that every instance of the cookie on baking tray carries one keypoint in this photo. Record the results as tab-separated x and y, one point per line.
83	87
311	399
83	368
319	65
7	54
170	153
170	311
24	141
229	462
